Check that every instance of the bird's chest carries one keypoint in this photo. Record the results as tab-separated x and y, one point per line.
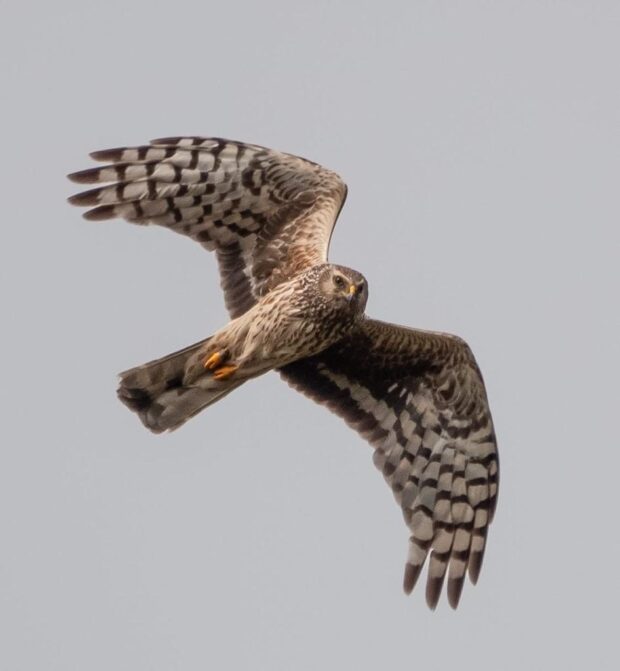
297	333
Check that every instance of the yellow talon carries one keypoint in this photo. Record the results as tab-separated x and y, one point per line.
224	372
213	361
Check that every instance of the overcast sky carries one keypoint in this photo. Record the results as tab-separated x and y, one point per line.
481	145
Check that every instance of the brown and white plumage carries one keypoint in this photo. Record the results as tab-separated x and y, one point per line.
417	397
268	215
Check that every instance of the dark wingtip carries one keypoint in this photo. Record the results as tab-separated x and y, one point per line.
455	588
476	557
412	573
114	154
168	140
85	197
89	176
475	564
433	591
100	213
76	176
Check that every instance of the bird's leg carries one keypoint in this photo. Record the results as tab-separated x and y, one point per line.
216	363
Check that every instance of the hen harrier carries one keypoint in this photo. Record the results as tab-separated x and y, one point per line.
416	396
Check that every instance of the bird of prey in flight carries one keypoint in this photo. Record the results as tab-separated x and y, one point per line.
416	396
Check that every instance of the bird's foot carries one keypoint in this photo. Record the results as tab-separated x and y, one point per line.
216	364
215	360
224	372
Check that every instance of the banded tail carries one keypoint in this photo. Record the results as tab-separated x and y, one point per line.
165	393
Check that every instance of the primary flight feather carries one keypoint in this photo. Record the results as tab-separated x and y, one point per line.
416	396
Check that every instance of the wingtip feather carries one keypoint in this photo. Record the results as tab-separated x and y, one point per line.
85	197
475	565
101	213
455	589
433	592
169	140
412	573
114	154
90	176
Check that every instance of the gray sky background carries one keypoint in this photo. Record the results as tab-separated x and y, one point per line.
481	145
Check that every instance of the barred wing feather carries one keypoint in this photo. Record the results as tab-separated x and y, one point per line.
266	214
418	398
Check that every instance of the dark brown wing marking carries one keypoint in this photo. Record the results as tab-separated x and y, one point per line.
268	215
418	398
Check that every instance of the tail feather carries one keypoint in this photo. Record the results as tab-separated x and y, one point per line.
159	392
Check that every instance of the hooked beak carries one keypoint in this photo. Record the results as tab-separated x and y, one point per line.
355	290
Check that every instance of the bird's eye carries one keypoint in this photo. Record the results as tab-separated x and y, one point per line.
339	281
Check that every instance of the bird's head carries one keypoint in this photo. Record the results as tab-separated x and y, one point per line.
344	287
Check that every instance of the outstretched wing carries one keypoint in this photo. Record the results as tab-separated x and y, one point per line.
267	215
418	398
